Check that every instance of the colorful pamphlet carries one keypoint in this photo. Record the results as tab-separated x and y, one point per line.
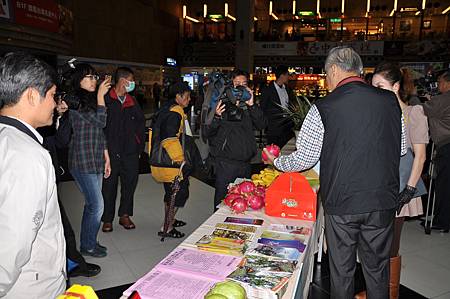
249	221
270	234
275	252
222	245
237	227
283	243
291	229
232	234
266	276
185	273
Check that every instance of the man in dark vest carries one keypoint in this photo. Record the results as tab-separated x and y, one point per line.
274	99
358	134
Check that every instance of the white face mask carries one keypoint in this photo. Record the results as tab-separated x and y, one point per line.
131	85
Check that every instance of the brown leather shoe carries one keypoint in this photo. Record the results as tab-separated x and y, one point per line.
107	227
126	222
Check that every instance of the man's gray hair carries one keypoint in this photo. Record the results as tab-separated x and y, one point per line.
345	58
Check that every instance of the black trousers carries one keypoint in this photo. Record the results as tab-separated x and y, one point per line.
127	168
280	138
443	186
72	252
227	172
369	234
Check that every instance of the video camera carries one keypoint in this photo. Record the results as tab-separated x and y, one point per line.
428	84
63	92
231	96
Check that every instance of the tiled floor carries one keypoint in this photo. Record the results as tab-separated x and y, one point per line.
131	254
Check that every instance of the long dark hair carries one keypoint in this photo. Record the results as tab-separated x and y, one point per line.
393	73
88	100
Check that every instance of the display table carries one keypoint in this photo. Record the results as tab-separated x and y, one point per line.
298	286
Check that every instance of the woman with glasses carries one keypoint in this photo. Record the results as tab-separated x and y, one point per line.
88	155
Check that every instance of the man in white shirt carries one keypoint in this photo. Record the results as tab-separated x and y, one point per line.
274	99
32	247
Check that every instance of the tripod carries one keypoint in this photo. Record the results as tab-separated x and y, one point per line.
431	170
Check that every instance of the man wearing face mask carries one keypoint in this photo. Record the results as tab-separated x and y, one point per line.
232	141
125	136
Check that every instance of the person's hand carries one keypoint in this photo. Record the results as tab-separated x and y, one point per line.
405	197
61	107
270	157
251	101
107	169
104	87
220	108
427	96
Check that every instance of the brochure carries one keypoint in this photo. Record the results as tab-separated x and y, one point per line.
275	252
249	221
185	273
284	243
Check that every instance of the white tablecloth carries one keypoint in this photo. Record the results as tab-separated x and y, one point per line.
298	286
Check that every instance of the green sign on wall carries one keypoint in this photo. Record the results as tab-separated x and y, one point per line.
215	16
335	20
306	13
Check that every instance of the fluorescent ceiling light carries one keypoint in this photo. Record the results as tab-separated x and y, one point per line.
274	16
205	10
446	10
192	19
231	17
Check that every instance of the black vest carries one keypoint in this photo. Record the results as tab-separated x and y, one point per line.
361	149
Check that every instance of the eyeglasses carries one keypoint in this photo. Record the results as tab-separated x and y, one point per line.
92	77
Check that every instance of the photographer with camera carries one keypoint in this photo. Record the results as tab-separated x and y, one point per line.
437	109
231	133
88	155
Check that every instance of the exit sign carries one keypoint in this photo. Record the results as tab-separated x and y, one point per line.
335	20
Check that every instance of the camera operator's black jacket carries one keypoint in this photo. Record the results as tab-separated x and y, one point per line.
125	125
235	140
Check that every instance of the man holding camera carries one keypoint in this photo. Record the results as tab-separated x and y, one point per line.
232	136
438	112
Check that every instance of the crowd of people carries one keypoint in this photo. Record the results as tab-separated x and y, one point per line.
370	140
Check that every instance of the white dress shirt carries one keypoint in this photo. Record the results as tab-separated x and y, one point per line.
282	94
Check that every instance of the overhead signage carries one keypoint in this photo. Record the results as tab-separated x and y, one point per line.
171	61
42	14
306	13
335	20
215	16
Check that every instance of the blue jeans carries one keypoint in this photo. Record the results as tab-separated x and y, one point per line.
90	184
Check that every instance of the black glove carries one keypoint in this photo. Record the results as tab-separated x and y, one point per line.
405	197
